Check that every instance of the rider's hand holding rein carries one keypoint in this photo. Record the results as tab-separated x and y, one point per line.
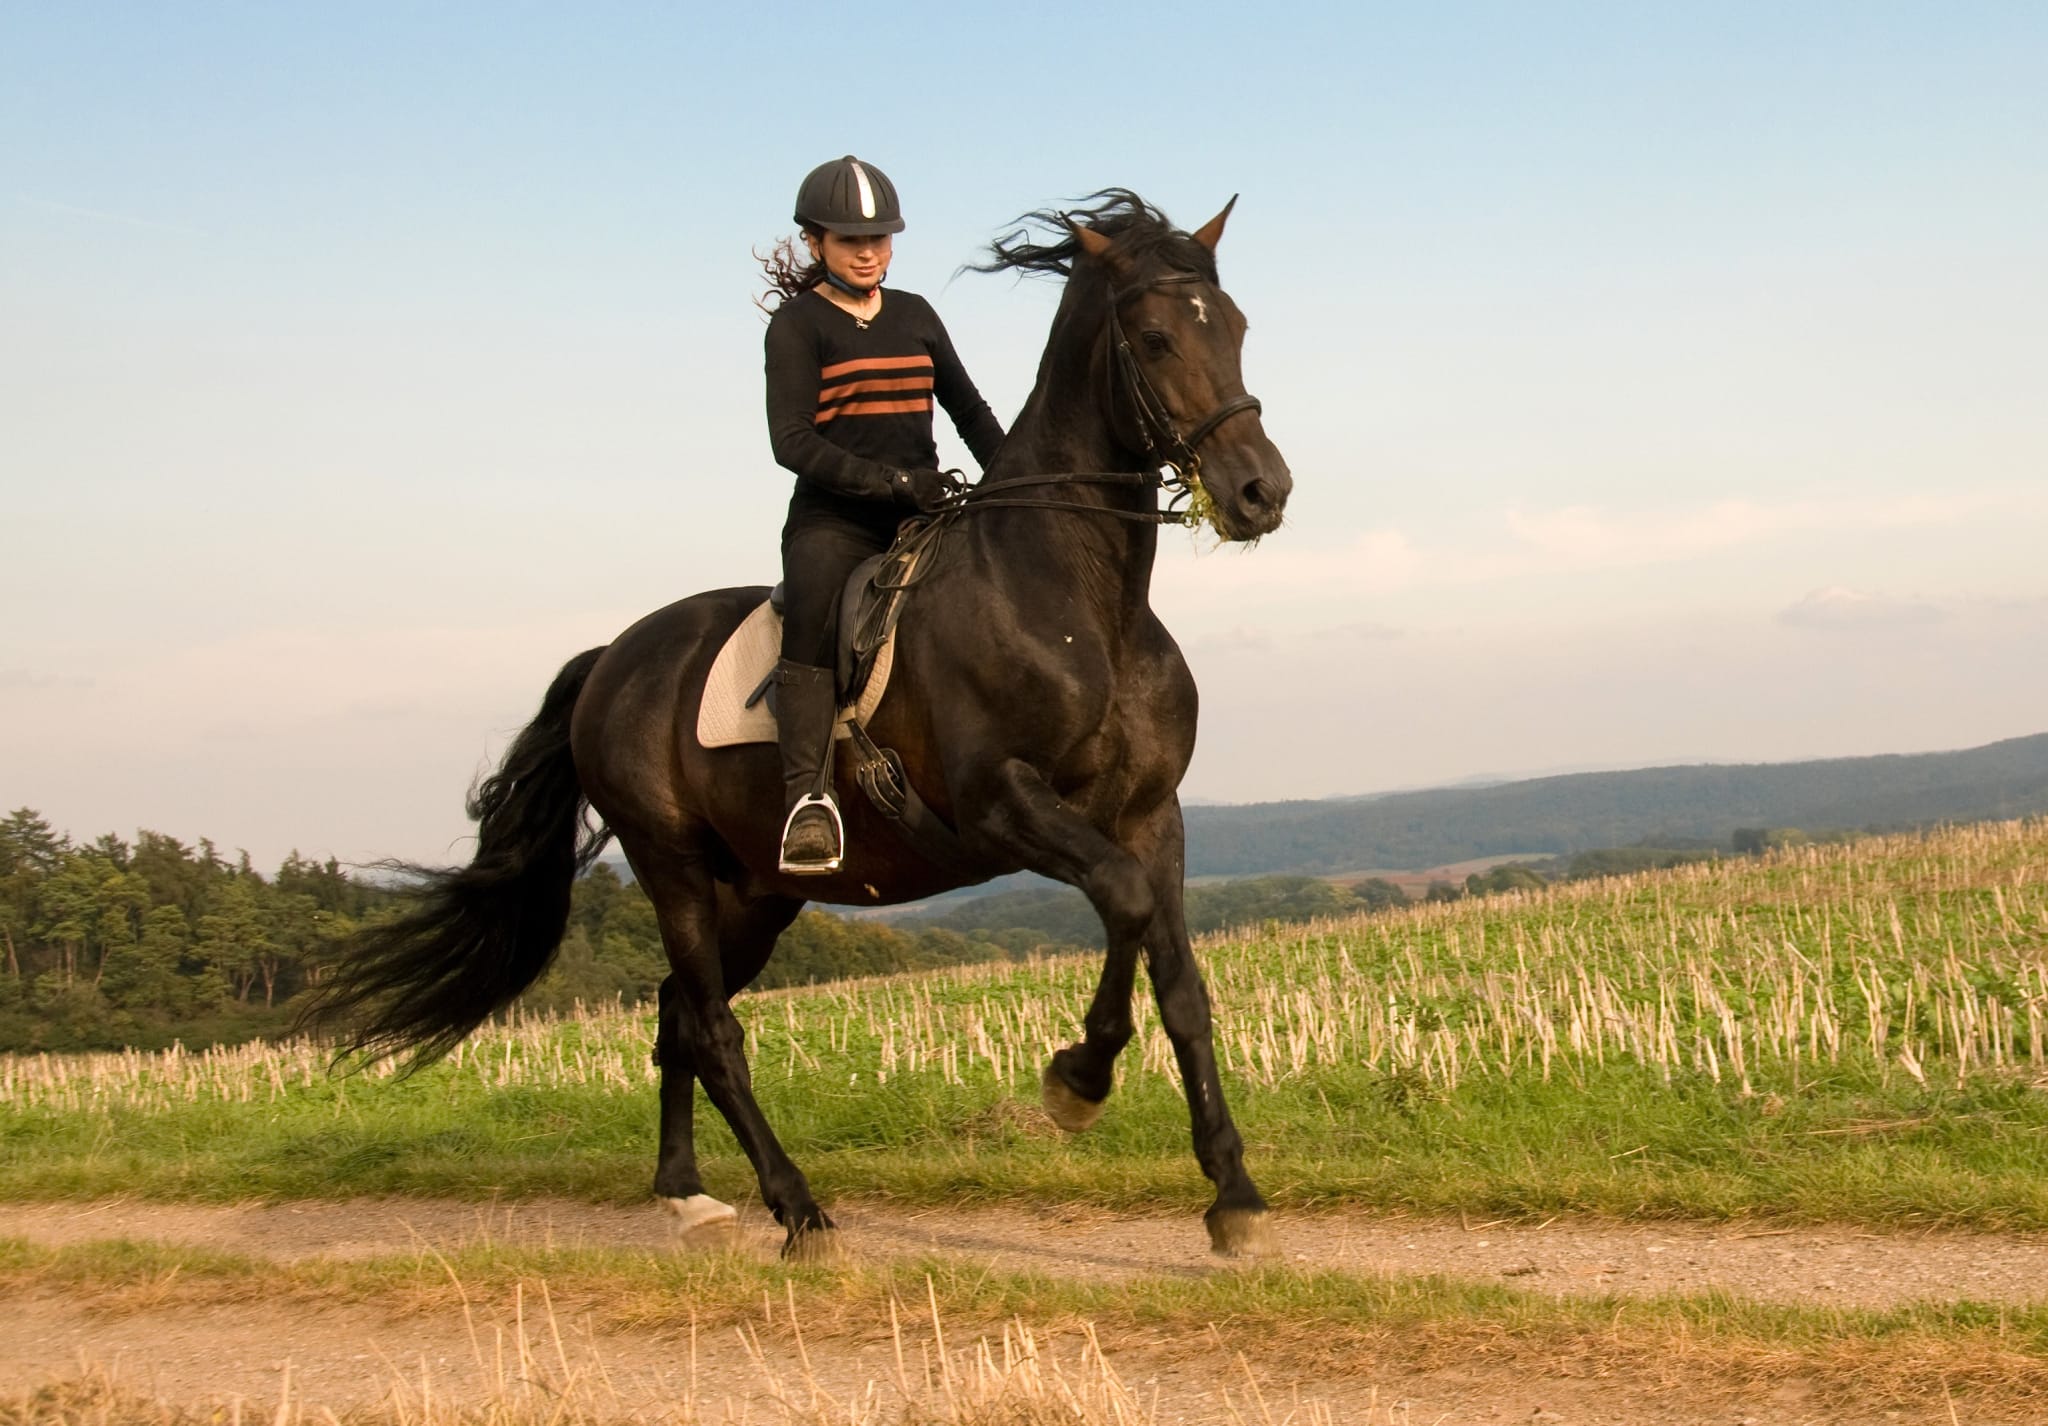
922	490
853	369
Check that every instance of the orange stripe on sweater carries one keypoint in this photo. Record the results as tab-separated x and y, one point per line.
840	368
891	383
873	408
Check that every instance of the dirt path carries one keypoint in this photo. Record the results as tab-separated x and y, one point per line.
348	1358
1830	1266
351	1355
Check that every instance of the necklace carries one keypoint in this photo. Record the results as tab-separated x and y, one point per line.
874	311
864	296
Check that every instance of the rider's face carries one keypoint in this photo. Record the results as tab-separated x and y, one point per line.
858	261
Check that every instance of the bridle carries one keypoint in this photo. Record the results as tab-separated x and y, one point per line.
1165	446
1173	457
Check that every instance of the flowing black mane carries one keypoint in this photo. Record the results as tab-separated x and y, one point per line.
1139	229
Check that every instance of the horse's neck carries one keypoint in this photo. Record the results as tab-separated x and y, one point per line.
1087	551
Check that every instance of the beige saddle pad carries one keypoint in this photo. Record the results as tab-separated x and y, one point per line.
723	719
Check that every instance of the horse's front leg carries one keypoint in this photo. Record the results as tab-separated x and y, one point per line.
1238	1222
1079	1077
685	902
1137	895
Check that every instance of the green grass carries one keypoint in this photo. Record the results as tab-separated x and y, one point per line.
1840	1034
1625	1146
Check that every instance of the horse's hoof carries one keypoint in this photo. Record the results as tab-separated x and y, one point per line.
815	1247
700	1216
1064	1107
1243	1233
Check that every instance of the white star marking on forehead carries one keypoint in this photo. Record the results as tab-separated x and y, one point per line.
1201	310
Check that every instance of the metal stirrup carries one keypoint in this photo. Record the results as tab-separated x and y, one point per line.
824	868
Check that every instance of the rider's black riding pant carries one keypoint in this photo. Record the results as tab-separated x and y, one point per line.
822	541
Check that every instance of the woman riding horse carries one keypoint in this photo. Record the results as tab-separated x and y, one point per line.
1038	706
851	376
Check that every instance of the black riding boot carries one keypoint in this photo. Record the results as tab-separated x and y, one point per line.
806	706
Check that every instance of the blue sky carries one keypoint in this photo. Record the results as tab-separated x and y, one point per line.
1661	382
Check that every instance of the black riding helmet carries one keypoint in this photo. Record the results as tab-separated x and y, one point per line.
850	198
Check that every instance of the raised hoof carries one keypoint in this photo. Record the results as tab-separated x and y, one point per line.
1242	1233
1064	1107
700	1216
815	1247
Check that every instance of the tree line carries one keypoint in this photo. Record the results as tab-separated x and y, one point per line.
1063	914
109	942
115	943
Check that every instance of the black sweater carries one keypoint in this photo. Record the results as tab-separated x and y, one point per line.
848	402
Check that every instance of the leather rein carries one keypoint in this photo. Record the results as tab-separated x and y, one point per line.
1175	458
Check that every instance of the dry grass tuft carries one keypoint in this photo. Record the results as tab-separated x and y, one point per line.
538	1378
91	1398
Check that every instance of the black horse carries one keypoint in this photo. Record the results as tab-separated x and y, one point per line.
1037	704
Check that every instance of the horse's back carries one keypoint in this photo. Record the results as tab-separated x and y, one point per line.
641	701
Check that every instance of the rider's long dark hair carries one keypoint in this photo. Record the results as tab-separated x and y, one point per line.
1043	241
470	939
790	269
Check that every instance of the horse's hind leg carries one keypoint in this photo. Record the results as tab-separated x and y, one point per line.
746	936
675	1170
747	931
712	1043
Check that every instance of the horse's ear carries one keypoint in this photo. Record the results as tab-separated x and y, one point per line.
1208	234
1092	243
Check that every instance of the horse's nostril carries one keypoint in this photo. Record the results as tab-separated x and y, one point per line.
1256	493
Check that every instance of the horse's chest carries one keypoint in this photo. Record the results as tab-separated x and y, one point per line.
1134	735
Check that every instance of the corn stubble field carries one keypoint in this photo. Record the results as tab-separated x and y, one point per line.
1833	1034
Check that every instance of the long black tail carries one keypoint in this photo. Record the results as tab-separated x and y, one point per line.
470	939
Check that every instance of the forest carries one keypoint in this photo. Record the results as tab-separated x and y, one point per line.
114	944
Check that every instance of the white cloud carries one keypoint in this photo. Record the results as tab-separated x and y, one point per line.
1425	711
1583	536
1838	608
1566	541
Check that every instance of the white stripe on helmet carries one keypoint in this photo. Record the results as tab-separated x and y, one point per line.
867	192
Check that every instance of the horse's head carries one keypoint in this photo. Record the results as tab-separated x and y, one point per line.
1171	341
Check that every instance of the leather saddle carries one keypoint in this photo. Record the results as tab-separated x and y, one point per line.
868	611
869	607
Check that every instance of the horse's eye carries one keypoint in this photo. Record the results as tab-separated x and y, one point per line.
1156	343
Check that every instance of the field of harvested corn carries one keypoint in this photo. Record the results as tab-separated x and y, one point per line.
1849	1036
1842	1033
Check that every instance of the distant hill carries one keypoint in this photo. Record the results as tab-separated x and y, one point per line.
1577	812
1667	806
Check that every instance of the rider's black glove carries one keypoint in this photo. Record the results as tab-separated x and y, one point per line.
921	490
